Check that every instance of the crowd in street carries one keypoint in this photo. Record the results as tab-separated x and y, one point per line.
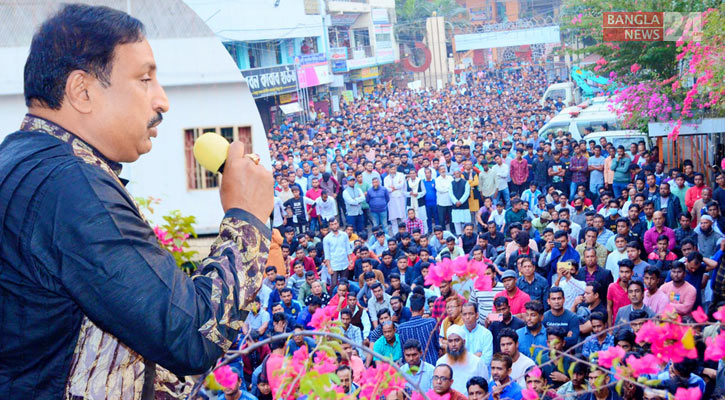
584	241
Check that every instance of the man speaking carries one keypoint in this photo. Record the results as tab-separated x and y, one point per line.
89	301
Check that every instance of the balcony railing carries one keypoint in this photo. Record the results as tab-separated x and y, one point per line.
360	52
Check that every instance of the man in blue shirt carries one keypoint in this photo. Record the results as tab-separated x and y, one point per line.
501	384
389	345
534	333
291	307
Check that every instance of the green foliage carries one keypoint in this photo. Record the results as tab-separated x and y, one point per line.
174	233
658	59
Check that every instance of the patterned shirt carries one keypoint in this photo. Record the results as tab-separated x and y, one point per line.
102	266
579	167
592	345
411	224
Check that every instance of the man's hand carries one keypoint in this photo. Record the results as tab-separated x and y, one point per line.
246	185
557	376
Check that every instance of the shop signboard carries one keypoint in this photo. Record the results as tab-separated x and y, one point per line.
339	66
270	81
338	53
314	58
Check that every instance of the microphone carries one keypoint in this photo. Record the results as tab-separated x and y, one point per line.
211	150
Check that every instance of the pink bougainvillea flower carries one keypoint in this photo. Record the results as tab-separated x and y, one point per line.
483	283
323	316
649	364
299	358
529	394
459	266
323	363
699	315
226	377
720	313
688	394
609	356
536	372
439	272
371	380
715	349
634	68
163	236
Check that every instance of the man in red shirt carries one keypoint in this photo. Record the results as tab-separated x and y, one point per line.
519	172
617	292
517	298
313	194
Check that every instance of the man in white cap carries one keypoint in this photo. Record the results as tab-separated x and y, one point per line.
464	365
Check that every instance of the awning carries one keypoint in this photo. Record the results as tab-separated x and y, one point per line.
290	108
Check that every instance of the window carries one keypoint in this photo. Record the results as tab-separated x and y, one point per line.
198	177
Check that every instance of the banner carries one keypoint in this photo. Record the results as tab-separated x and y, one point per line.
314	58
338	53
270	81
379	16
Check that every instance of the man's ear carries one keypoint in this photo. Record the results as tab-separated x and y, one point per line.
76	91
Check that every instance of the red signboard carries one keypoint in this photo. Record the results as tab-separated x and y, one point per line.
633	26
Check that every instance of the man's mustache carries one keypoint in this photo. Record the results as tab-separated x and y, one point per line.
156	120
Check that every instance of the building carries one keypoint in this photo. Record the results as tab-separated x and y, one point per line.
205	89
279	48
361	42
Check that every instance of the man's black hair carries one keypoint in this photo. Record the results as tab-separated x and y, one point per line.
78	37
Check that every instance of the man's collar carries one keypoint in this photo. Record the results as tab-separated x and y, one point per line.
37	124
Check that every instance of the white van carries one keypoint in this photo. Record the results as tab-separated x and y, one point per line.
577	121
621	138
568	92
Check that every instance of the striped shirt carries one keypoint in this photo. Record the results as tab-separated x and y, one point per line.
421	329
484	301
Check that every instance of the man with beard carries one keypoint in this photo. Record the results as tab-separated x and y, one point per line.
560	316
502	386
389	345
345	374
635	292
464	364
577	384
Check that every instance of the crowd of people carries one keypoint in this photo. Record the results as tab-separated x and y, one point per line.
584	241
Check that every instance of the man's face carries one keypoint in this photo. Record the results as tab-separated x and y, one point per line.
556	301
499	372
316	288
126	112
597	326
698	180
625	274
536	383
396	305
412	357
632	253
287	298
508	346
455	344
279	284
442	380
509	284
476	392
453	310
389	332
677	275
345	319
378	293
345	376
533	319
589	295
633	214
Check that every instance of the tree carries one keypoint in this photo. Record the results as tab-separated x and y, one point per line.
667	81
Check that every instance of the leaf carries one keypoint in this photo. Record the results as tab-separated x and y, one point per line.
618	387
570	372
598	382
560	365
538	357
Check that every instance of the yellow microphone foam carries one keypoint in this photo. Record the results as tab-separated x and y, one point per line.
211	151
